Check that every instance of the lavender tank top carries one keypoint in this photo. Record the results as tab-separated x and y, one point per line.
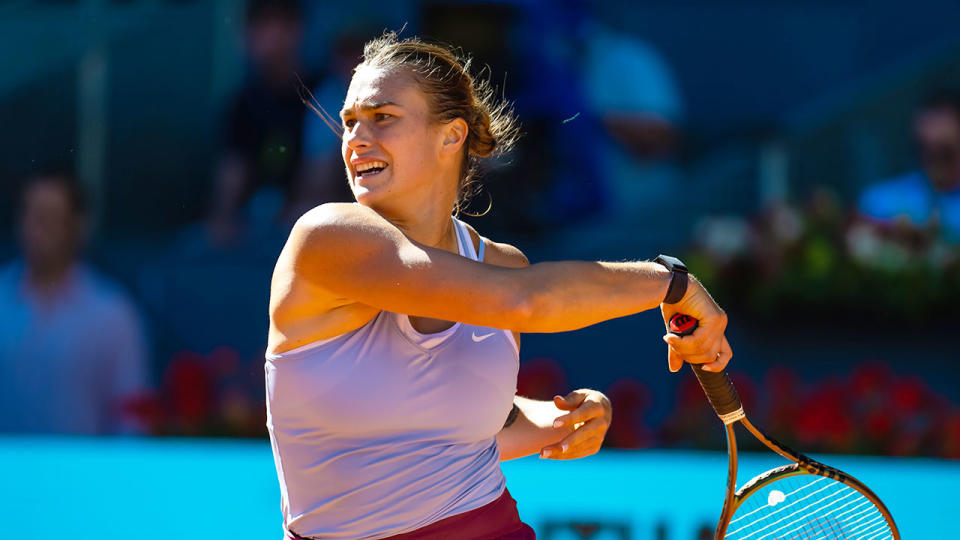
383	430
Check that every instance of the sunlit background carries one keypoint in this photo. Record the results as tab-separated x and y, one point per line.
802	157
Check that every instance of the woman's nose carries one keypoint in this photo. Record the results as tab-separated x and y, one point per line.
357	137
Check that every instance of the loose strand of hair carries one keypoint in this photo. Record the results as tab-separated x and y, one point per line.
308	99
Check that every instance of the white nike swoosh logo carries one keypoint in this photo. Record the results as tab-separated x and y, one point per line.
478	339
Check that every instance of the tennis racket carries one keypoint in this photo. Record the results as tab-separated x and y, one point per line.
803	500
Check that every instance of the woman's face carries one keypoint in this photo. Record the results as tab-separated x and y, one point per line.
394	153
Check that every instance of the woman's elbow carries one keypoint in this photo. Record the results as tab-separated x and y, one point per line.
521	308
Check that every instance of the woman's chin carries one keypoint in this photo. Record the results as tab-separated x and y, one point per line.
368	189
368	195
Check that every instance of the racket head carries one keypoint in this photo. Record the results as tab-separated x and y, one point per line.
800	502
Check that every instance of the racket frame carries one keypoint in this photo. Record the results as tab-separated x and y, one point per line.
723	397
801	465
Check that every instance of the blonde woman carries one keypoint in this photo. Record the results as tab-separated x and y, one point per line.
395	328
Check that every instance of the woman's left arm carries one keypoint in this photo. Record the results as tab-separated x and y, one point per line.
568	427
583	415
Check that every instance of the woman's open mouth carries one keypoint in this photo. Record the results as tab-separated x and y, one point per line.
371	168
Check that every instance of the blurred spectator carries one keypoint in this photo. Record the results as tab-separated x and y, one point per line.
631	89
558	158
72	356
264	125
929	198
619	108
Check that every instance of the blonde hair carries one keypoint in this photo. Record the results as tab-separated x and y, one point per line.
452	92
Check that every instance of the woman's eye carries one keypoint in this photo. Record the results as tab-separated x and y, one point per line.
382	116
348	124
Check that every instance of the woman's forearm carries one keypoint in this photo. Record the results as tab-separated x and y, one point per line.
353	255
531	430
569	295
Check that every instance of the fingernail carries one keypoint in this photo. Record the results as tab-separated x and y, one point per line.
558	423
564	447
706	368
545	453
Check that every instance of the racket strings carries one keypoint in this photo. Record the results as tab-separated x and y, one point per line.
758	508
804	514
808	507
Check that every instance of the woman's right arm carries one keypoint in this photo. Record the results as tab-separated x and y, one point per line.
353	252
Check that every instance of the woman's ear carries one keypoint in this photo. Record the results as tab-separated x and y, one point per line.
454	136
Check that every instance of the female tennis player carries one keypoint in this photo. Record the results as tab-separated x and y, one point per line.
394	327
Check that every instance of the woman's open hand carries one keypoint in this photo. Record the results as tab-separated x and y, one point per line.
589	417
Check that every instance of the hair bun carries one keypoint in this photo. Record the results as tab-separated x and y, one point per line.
483	143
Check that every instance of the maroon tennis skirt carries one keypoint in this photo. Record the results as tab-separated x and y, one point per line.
498	520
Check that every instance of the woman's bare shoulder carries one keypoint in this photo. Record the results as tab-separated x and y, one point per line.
497	253
302	310
337	215
340	228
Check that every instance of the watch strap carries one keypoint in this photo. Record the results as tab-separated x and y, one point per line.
677	289
678	281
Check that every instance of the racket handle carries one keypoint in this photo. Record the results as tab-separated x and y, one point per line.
717	386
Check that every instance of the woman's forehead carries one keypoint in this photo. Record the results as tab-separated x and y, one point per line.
377	86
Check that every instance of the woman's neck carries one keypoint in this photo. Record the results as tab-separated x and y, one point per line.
431	227
424	216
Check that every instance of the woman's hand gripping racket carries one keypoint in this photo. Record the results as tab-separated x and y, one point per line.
804	499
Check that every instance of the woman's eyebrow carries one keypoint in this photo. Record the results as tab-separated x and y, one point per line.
366	106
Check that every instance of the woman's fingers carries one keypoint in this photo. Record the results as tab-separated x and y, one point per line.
589	421
723	358
711	361
674	359
585	448
587	411
587	437
710	356
589	418
707	345
706	352
703	340
571	401
704	346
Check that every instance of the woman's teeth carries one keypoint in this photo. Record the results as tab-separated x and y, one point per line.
371	168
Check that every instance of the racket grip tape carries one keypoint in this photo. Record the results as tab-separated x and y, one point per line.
717	386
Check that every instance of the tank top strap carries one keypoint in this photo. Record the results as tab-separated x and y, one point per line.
466	242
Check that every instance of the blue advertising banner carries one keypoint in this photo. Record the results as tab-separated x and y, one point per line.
187	488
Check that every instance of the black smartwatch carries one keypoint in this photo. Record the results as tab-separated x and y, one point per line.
678	283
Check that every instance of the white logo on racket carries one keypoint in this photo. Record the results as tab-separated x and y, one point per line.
776	497
478	339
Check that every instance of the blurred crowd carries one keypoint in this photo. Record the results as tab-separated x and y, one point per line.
890	255
180	353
